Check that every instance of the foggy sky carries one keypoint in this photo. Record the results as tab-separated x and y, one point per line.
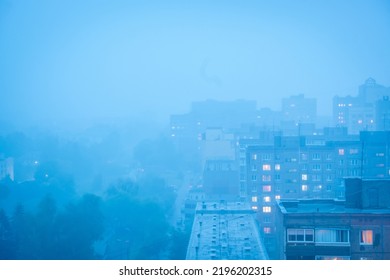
103	59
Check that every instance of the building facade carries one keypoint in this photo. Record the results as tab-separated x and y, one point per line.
357	228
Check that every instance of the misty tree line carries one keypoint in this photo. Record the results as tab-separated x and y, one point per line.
51	217
130	221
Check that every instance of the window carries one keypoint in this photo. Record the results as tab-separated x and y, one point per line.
266	167
304	188
254	167
366	237
277	197
316	178
329	178
267	230
254	207
332	258
341	152
254	177
277	176
254	156
316	156
254	198
355	172
328	166
266	178
332	236
300	235
353	151
266	188
267	220
316	167
267	199
265	156
303	156
304	177
277	167
266	209
354	162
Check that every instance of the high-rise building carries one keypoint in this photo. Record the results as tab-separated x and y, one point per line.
360	113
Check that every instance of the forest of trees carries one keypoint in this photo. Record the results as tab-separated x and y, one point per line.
53	215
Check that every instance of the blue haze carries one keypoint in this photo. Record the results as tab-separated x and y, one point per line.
85	60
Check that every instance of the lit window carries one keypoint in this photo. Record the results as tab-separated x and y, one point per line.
304	177
277	167
254	156
304	188
266	167
266	178
254	198
266	209
341	152
267	230
267	199
254	207
360	121
266	188
366	237
277	197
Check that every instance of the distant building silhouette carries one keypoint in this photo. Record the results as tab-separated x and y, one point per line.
362	112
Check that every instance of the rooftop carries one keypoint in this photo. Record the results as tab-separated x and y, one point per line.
324	206
225	230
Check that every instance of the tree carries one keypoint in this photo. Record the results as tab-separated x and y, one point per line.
46	234
79	227
7	243
23	225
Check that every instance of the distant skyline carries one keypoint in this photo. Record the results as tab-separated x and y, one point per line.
82	60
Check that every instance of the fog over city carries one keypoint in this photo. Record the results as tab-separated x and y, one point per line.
86	60
127	128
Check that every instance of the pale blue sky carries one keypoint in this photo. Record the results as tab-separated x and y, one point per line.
96	59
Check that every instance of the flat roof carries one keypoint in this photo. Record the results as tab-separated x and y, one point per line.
225	231
324	206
